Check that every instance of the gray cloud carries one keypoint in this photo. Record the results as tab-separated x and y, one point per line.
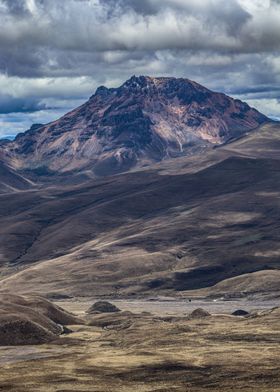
104	25
60	51
10	104
15	7
144	7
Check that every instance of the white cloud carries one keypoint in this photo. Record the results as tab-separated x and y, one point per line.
11	124
270	107
46	87
254	6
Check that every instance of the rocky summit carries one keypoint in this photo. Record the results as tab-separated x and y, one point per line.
143	121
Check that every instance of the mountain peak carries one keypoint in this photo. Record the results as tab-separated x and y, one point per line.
102	91
147	85
143	81
145	120
139	83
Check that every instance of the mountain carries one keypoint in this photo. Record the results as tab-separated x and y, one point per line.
192	220
208	223
143	121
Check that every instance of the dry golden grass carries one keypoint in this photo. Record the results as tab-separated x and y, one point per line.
150	353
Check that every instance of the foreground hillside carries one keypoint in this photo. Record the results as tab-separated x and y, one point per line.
186	224
31	320
129	351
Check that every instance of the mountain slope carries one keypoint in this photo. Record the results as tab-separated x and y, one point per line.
144	121
10	180
188	217
187	224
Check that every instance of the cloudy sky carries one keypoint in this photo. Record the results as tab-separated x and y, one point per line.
53	54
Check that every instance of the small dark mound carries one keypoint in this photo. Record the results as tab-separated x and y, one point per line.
240	312
102	307
199	313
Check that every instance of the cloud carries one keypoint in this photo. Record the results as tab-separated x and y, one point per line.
269	106
55	53
46	87
44	36
9	104
107	25
13	123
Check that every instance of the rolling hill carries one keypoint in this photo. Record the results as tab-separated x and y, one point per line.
160	230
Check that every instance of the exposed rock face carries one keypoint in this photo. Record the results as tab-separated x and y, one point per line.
143	121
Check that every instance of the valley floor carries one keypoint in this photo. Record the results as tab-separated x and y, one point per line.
152	346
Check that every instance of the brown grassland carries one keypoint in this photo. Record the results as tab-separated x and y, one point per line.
143	352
